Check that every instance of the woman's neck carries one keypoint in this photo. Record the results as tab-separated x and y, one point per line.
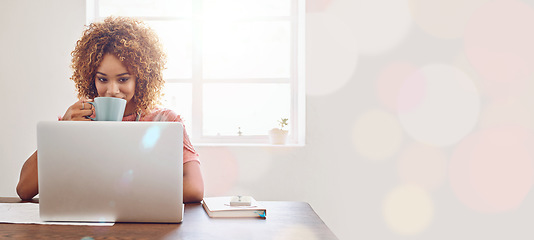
129	110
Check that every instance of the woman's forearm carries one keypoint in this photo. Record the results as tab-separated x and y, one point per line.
28	185
193	182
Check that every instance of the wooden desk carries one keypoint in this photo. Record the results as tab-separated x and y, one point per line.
285	220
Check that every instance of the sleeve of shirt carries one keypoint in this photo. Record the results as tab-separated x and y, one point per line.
190	154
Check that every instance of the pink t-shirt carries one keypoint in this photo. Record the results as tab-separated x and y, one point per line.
167	115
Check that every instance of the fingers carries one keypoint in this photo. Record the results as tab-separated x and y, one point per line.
84	110
85	105
81	115
79	111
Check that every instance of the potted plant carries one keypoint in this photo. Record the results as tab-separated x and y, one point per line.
278	136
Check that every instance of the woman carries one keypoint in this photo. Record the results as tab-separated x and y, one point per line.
123	58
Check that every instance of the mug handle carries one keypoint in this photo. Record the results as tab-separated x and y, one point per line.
92	103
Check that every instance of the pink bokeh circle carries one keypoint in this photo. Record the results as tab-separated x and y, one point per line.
390	81
317	5
220	170
501	48
492	170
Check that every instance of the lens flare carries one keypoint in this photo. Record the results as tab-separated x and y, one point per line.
151	137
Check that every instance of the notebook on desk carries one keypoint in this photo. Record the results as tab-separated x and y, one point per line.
110	171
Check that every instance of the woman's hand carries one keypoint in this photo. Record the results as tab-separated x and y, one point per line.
79	111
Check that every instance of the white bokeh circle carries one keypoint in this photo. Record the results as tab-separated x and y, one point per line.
438	105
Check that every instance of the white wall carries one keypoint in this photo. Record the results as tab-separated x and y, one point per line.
455	162
35	44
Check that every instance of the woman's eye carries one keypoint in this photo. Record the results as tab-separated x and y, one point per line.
123	79
102	79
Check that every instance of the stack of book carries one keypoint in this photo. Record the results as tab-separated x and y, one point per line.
233	207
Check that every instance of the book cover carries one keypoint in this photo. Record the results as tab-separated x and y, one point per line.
220	207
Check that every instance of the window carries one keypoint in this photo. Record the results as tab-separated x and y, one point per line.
235	67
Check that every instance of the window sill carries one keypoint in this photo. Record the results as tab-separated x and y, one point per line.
291	145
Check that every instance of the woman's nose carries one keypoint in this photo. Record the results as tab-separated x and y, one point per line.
113	89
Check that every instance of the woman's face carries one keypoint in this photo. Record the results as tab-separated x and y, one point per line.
113	80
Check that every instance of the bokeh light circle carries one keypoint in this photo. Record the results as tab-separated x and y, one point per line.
317	5
507	111
220	170
390	80
444	19
331	53
377	135
296	231
500	48
492	170
408	210
461	62
438	105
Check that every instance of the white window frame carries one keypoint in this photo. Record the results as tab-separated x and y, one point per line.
296	80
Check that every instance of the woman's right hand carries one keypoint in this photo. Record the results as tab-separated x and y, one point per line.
79	111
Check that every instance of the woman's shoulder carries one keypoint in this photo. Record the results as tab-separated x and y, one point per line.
162	115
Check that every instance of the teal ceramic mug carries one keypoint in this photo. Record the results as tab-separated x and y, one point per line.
108	109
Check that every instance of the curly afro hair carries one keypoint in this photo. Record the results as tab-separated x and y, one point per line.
137	47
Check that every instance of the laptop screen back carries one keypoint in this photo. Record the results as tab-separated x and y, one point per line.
110	171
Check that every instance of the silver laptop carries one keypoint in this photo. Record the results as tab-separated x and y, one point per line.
110	171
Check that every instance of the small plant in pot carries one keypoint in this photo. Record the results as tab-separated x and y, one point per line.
278	136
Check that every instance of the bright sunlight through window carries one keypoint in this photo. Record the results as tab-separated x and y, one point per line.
235	67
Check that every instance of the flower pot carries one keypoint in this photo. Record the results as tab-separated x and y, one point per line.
278	136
